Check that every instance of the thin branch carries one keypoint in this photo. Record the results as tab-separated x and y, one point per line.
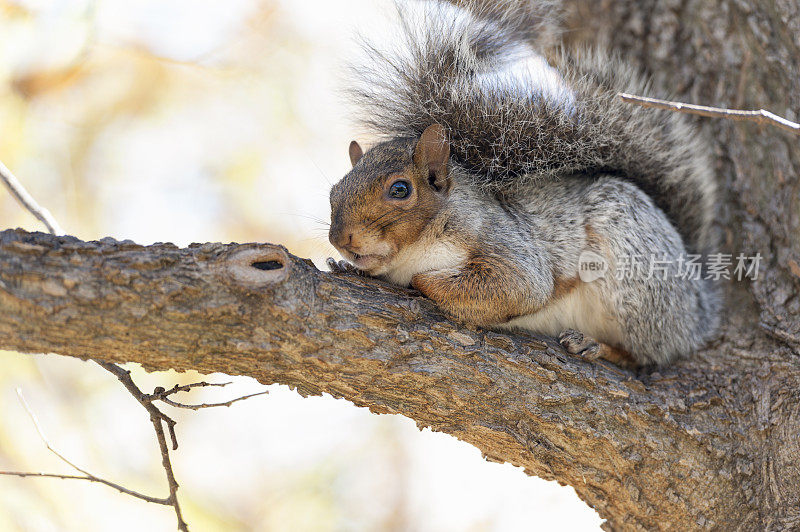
187	387
86	475
39	430
27	201
160	394
44	475
156	418
91	478
760	116
170	402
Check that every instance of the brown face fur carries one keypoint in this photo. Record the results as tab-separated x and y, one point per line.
368	226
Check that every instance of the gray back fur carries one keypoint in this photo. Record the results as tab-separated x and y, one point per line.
452	68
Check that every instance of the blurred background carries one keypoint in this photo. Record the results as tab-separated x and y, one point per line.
193	121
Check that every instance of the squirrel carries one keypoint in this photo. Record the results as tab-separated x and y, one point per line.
496	169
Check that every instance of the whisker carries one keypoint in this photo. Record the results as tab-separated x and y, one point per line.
317	238
377	219
399	217
323	174
391	221
309	217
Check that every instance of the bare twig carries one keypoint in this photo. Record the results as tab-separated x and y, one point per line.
160	394
170	402
43	475
25	199
186	387
90	478
156	418
86	475
760	116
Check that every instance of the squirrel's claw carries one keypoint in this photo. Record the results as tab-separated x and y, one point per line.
577	343
341	266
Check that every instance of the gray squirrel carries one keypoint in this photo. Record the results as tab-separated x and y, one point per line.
497	173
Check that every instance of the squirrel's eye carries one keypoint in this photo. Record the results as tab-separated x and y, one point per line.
400	190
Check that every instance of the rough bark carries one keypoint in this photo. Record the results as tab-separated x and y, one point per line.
742	55
689	446
709	443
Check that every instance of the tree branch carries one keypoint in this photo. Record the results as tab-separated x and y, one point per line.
90	478
86	475
760	116
156	418
160	394
26	200
610	433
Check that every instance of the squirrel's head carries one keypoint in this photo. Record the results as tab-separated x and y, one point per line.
392	193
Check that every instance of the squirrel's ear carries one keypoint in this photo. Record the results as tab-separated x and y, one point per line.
432	155
355	152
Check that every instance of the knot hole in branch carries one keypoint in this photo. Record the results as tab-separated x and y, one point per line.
257	266
267	265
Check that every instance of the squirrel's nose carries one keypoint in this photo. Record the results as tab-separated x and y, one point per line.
342	239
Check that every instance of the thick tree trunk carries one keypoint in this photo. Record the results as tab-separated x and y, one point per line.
741	55
711	442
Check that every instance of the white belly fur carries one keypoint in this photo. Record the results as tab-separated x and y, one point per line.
582	309
422	257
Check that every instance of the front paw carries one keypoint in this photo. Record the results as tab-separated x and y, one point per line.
577	343
342	266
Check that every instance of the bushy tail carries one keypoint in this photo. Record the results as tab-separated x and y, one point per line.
513	119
